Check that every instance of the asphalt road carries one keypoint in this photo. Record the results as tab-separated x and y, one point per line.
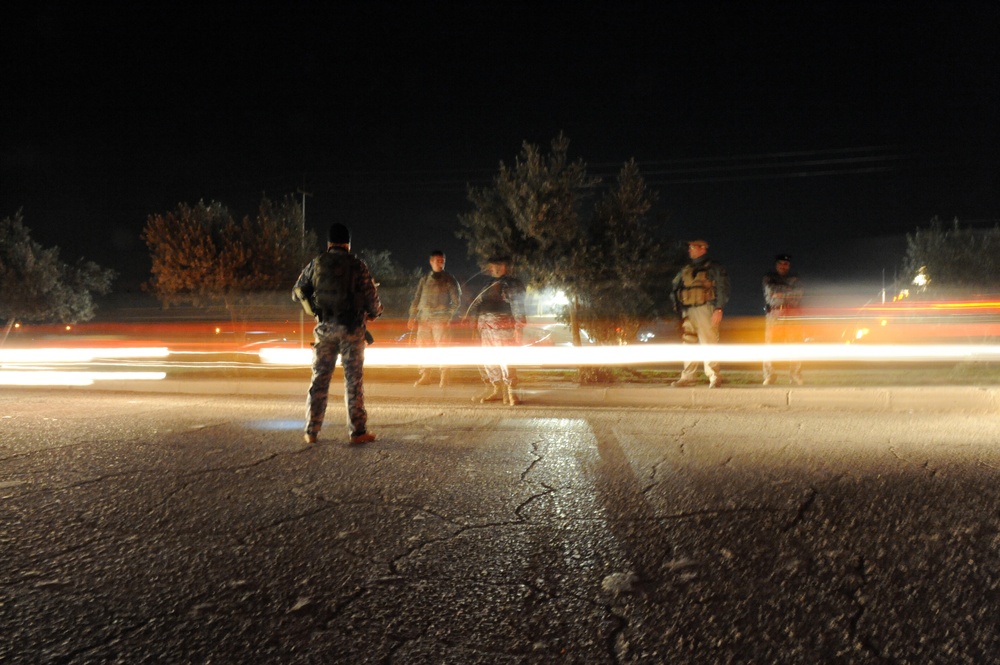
155	528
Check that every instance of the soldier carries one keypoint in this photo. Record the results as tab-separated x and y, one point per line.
782	300
498	312
435	302
699	292
337	289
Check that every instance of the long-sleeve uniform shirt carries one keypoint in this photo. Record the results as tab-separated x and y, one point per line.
437	298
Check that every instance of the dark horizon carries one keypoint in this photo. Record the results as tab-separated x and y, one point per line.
826	131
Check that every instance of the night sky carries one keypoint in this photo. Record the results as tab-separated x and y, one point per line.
826	129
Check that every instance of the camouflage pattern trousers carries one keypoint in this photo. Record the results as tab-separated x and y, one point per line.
498	330
433	332
333	341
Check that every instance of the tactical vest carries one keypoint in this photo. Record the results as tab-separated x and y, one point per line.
333	288
696	286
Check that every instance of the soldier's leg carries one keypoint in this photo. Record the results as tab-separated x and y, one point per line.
425	338
324	362
492	374
794	335
768	367
700	320
441	332
352	359
688	336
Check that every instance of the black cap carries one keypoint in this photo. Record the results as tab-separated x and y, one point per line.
339	234
498	258
783	257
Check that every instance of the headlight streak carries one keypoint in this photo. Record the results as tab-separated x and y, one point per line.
645	354
32	365
47	367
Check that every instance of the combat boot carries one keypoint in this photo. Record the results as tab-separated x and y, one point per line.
510	396
492	393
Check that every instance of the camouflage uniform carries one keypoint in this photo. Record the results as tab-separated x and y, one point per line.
700	288
782	300
435	302
345	339
499	315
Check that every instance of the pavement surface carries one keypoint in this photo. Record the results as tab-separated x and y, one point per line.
956	399
187	522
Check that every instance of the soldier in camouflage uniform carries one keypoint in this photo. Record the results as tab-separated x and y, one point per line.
699	292
498	312
435	302
338	290
782	300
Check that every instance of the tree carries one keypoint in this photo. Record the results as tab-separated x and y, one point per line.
942	259
621	269
35	285
532	212
202	255
395	284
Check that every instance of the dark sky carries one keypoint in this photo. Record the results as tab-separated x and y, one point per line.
823	129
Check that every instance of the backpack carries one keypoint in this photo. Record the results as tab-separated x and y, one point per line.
333	288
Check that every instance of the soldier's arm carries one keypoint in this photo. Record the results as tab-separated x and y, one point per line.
303	290
415	303
721	287
372	303
454	297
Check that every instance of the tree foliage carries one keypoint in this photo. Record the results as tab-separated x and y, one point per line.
35	285
605	257
202	255
395	283
532	212
953	258
621	268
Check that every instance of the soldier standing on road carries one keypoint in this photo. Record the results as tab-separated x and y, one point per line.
699	292
782	300
337	289
435	302
498	312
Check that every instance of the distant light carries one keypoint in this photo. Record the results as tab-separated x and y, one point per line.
69	327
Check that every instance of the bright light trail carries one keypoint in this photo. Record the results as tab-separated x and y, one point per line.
42	376
59	378
77	355
655	354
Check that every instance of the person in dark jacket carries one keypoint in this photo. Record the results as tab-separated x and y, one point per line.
498	312
782	300
338	290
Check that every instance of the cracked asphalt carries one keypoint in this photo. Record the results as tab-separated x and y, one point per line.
153	528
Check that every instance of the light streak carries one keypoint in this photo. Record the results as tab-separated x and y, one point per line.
34	363
645	354
61	378
77	355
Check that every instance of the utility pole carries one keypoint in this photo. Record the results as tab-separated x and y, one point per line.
302	314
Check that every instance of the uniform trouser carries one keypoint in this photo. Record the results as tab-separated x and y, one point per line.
498	331
433	332
349	345
778	330
697	328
